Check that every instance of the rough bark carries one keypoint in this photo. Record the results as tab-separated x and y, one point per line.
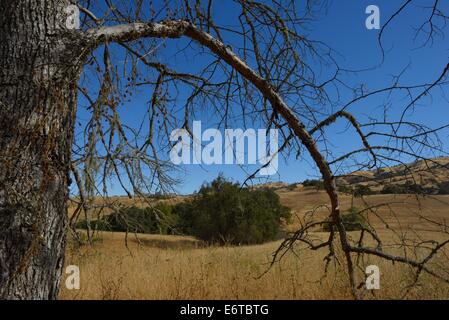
38	78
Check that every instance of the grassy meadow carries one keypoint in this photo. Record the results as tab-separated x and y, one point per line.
119	266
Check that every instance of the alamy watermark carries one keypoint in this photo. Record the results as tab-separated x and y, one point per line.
72	17
73	280
373	20
372	281
210	147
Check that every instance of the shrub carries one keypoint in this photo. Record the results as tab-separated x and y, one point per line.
318	184
159	196
362	190
292	187
345	189
159	219
221	212
443	187
393	189
357	191
406	188
352	220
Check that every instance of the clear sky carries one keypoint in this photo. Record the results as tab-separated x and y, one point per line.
342	27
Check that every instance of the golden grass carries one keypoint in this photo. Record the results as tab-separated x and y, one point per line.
404	213
171	267
109	270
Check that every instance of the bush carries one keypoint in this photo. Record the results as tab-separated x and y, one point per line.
159	196
345	189
159	219
405	188
292	187
221	212
352	220
443	188
362	190
318	184
358	192
393	189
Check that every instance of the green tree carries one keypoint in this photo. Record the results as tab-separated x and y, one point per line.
222	212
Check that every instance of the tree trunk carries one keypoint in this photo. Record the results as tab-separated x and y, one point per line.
38	79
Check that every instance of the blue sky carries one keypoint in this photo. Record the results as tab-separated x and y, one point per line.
342	27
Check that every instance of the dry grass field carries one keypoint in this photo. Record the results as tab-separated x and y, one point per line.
175	267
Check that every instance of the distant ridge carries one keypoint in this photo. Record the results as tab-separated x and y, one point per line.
427	173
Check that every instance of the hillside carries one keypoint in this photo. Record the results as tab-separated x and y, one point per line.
428	174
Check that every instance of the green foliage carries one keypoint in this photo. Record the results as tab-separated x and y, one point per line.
362	190
222	212
352	220
317	184
345	189
393	189
443	187
159	219
159	196
405	188
358	191
292	187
